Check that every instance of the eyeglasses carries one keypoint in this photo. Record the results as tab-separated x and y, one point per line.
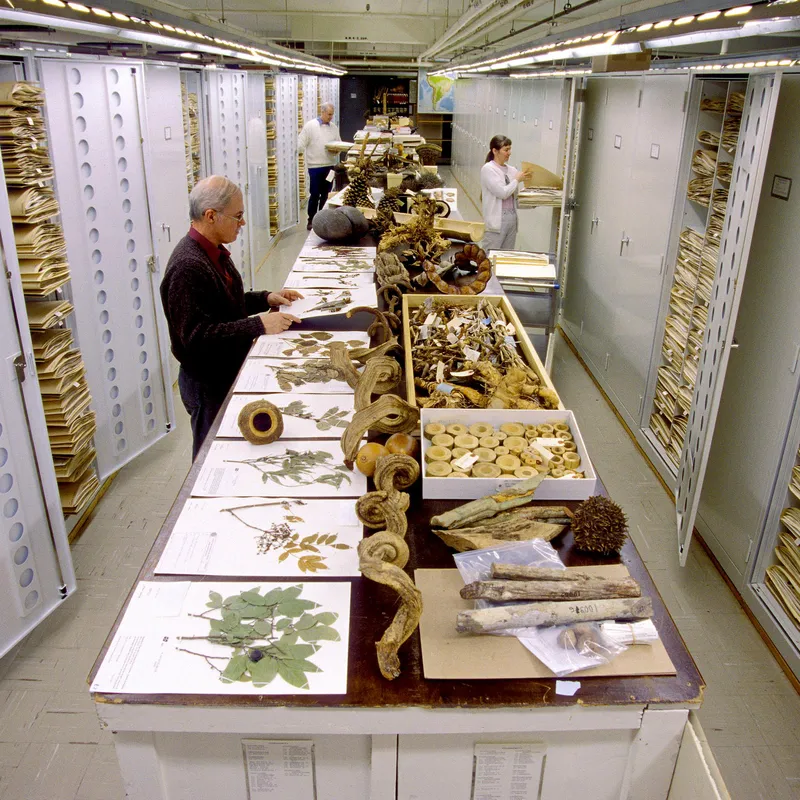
238	217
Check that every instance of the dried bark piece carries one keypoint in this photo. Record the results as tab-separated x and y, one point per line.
521	572
381	329
534	615
503	591
389	414
486	507
381	375
465	539
383	555
260	422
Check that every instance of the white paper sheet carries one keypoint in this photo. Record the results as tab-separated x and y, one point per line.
507	771
313	261
279	768
251	537
305	416
147	654
261	376
331	250
328	280
304	344
223	474
311	306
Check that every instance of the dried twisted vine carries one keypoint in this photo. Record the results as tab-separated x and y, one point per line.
342	358
381	375
383	555
381	329
388	414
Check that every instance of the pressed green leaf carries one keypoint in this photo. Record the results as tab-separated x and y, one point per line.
283	556
295	519
214	600
253	597
282	624
292	675
288	638
255	612
215	624
235	669
319	633
263	671
262	627
341	546
273	596
309	539
306	666
301	651
326	617
305	622
294	608
233	602
292	592
323	426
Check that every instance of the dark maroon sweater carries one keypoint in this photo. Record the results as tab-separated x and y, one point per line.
209	327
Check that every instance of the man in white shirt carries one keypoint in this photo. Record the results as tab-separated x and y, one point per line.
315	135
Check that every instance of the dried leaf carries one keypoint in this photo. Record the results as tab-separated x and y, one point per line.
263	671
294	676
235	669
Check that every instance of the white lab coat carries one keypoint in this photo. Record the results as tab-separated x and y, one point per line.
494	190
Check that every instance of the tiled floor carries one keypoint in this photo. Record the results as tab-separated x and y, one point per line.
51	744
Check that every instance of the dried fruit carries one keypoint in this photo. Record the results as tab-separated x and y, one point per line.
402	443
599	526
256	656
368	457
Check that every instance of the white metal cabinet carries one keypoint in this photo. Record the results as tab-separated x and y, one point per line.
36	572
286	102
257	189
101	185
225	102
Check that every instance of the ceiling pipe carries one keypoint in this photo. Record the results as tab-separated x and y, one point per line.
466	24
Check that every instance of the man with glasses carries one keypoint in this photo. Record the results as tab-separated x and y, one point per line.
212	321
315	135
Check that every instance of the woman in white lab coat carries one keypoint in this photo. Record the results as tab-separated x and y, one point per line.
499	185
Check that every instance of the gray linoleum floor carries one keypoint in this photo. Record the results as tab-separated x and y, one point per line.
51	744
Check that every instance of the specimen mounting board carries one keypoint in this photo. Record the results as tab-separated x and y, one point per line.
328	280
250	537
304	344
265	375
145	656
326	302
305	416
241	469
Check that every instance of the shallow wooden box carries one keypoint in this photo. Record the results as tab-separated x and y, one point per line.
411	301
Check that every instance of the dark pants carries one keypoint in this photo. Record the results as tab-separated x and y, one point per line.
318	189
203	405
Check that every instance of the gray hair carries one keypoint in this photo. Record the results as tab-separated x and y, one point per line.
215	192
327	106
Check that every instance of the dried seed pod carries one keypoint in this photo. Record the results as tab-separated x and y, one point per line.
442	440
260	422
438	469
508	464
434	429
599	526
516	444
485	470
513	428
456	429
484	454
501	450
525	472
467	441
436	453
489	441
481	429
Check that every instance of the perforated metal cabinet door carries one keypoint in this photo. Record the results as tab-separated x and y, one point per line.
35	566
225	98
95	137
165	164
748	174
257	196
286	106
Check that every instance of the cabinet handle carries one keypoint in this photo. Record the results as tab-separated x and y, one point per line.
624	241
165	228
595	221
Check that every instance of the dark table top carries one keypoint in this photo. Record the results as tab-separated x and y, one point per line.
373	607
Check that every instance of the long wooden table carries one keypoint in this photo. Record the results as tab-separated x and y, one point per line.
412	737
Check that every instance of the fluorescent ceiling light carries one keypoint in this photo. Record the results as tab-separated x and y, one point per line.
709	15
101	12
521	62
684	20
665	23
646	27
80	8
739	11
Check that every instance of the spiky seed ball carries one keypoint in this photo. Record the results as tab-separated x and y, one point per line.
600	526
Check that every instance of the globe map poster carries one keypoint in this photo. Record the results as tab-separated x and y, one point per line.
436	93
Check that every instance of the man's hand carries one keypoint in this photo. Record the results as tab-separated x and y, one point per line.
277	323
283	298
